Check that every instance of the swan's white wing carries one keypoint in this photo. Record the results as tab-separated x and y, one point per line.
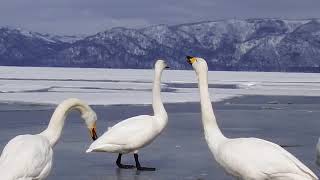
26	156
133	132
257	157
293	159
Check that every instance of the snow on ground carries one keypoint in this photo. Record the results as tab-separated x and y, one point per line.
126	86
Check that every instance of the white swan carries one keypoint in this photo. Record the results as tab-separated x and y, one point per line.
29	157
245	158
136	132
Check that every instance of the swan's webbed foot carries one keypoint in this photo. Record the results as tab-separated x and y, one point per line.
139	168
123	166
145	169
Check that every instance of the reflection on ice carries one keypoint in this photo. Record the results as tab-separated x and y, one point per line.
181	151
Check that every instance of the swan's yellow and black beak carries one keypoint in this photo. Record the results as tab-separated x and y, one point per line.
191	59
93	133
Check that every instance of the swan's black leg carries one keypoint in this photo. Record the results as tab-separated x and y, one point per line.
122	166
136	158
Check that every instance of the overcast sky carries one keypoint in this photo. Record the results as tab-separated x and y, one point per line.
91	16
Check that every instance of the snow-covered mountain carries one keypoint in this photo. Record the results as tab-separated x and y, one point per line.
253	44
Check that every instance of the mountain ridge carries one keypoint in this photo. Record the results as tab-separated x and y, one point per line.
239	45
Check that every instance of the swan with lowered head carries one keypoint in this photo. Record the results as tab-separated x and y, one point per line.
245	158
136	132
29	157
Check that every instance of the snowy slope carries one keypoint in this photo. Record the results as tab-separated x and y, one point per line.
253	44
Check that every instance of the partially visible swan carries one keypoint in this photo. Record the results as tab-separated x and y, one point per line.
29	157
245	158
136	132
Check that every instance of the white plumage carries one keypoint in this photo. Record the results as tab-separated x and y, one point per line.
128	135
245	158
26	157
136	132
29	157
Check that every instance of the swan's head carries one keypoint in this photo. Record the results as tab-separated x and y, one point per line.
90	118
198	64
161	64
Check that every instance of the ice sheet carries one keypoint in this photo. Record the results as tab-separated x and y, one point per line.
127	86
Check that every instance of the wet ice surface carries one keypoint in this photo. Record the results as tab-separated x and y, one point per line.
181	151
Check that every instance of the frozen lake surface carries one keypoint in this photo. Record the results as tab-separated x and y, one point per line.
123	86
181	151
281	107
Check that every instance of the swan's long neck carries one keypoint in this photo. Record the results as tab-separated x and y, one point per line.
157	105
212	132
54	129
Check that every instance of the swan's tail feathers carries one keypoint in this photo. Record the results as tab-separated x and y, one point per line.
111	148
89	150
